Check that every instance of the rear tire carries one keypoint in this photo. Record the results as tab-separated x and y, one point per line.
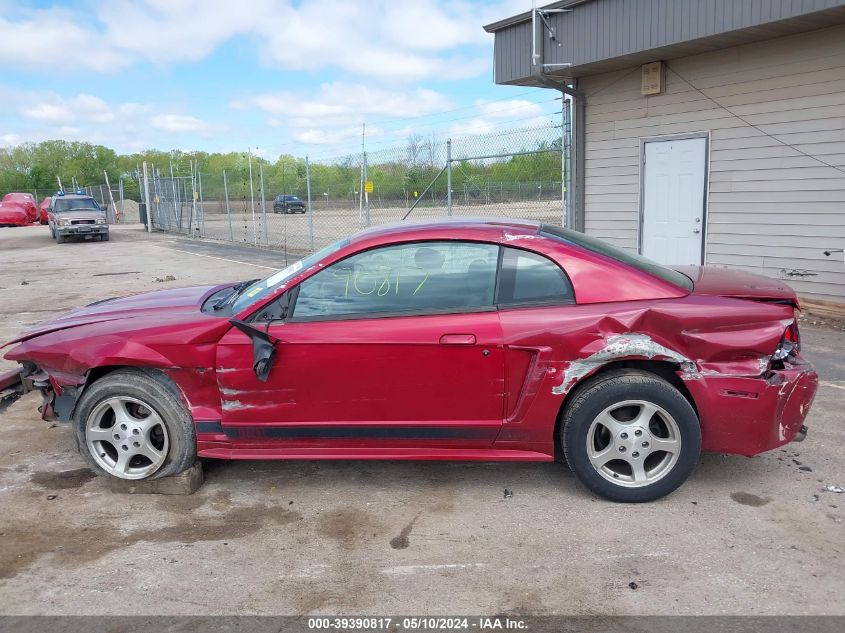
132	424
630	436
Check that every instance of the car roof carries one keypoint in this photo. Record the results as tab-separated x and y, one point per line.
495	227
74	196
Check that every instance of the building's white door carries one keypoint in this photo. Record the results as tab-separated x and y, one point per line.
673	200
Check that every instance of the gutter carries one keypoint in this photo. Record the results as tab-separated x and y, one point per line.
579	114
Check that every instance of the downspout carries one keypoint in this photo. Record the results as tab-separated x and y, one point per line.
579	101
575	219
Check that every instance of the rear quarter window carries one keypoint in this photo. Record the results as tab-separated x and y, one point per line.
629	258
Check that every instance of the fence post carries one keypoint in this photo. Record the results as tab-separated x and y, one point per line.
201	216
252	201
193	199
449	177
122	201
564	161
366	193
308	201
263	207
228	211
147	200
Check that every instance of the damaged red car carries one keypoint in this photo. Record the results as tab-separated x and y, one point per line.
463	340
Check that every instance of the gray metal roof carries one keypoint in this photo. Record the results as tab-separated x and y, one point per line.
603	35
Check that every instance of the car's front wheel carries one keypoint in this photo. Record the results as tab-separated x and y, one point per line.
132	424
630	436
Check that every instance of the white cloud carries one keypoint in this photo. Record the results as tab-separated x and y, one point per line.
334	113
54	109
400	41
179	123
508	109
126	126
492	114
10	140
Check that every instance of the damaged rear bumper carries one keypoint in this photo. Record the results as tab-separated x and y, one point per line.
750	415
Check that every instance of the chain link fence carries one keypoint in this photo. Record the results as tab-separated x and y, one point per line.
302	205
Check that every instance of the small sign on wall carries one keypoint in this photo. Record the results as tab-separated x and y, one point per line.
652	78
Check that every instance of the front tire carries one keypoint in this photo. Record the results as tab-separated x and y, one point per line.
630	436
132	424
60	239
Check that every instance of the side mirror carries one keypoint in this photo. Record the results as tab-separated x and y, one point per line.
263	348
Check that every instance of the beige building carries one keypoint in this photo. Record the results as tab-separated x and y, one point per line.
705	131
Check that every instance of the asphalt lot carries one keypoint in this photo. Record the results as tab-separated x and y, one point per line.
743	536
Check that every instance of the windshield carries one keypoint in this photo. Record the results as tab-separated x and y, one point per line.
626	257
261	289
75	204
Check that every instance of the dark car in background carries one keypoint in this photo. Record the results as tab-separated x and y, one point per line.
288	204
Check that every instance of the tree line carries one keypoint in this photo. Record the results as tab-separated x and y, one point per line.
401	173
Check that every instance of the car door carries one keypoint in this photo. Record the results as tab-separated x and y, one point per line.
397	346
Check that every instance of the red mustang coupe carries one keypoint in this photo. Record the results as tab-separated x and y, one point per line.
468	340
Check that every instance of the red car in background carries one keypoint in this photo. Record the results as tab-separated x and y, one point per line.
463	340
13	214
27	201
43	215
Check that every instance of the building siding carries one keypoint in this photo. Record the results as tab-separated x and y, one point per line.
771	209
605	29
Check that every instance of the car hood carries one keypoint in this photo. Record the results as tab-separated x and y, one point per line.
163	304
724	282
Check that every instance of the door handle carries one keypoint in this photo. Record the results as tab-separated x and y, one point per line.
457	339
696	230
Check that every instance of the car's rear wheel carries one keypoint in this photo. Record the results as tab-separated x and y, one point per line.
132	425
630	436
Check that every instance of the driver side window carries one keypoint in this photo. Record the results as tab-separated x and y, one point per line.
414	278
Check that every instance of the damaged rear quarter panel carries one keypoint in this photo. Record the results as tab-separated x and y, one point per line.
701	339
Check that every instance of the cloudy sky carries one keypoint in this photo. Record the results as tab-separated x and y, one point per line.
278	75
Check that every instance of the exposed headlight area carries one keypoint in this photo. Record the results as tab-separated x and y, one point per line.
63	222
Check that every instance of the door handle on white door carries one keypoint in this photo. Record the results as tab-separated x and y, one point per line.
696	230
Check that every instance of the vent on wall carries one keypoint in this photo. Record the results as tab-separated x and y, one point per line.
652	75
